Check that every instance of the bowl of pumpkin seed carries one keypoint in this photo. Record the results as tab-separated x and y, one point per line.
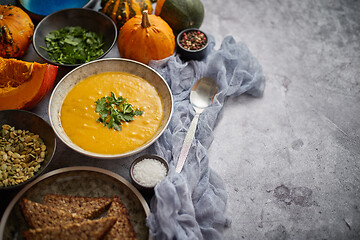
27	145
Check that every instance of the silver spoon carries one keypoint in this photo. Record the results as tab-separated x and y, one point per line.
201	96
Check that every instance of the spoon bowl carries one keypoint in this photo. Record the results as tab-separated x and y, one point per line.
201	96
203	92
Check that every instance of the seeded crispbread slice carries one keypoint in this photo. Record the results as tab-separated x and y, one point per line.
39	215
87	207
122	229
89	229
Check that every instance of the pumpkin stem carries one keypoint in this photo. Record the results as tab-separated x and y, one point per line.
145	23
1	16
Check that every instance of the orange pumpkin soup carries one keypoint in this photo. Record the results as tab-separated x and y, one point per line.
79	119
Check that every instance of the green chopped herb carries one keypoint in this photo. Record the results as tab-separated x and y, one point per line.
113	111
73	45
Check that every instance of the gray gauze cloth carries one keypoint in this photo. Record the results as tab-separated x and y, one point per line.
192	204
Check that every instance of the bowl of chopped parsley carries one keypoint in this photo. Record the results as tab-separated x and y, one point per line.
74	36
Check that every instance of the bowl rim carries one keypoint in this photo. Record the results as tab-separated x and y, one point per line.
189	50
139	159
59	12
114	175
110	156
40	16
41	171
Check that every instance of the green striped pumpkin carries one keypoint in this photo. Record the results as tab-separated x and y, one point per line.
122	10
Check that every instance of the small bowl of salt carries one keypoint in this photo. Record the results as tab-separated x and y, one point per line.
148	170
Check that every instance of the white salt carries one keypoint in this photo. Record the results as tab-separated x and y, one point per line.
148	172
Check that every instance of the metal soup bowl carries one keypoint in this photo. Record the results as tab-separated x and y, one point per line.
108	65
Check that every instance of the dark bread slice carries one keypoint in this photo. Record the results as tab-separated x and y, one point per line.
39	215
122	229
89	229
87	207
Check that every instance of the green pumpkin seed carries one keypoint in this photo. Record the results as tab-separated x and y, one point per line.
21	155
6	127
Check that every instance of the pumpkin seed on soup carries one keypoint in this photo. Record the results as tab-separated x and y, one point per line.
21	155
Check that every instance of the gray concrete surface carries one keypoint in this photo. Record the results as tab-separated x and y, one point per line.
290	160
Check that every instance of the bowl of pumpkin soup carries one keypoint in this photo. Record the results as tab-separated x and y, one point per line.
110	108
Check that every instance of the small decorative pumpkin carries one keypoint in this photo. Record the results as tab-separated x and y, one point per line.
146	37
16	31
181	14
24	84
121	11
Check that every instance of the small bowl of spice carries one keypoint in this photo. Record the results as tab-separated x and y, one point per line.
148	170
27	145
192	44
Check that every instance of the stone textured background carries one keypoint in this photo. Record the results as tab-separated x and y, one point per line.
290	160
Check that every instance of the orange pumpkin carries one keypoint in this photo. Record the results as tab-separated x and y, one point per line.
146	37
16	31
24	84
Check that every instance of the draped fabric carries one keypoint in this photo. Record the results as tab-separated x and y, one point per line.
192	204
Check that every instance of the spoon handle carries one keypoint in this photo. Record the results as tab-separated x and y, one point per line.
187	143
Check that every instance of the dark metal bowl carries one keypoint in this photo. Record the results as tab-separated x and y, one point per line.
76	181
26	120
39	9
91	20
186	54
146	189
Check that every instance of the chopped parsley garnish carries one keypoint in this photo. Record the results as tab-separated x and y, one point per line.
73	45
113	111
